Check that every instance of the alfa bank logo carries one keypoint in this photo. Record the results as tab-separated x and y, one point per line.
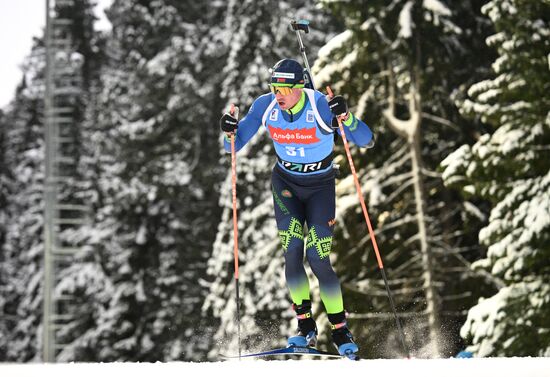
299	136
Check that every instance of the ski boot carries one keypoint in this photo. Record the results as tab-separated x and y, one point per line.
341	336
307	329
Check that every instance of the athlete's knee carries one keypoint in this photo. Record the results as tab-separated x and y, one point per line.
320	267
294	251
294	261
318	247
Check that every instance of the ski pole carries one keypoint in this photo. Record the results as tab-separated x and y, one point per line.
235	112
297	26
369	226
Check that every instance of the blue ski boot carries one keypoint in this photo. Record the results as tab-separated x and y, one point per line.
307	329
341	336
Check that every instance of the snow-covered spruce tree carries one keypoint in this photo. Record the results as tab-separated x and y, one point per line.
398	64
155	178
4	261
256	36
22	250
510	167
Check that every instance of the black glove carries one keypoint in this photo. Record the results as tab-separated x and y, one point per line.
334	123
338	105
228	123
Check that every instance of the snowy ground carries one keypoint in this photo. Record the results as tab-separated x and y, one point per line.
498	367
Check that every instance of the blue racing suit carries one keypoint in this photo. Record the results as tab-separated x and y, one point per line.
303	185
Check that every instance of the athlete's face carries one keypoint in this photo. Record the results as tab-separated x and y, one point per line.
288	101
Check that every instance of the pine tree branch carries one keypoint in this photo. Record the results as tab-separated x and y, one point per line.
458	296
497	282
396	179
405	266
430	173
396	224
440	120
398	192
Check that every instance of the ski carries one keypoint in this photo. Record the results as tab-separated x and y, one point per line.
293	350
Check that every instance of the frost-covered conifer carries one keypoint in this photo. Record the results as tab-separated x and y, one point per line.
510	167
22	246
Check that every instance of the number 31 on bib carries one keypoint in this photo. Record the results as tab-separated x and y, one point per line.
293	151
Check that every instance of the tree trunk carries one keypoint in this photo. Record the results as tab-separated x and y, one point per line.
427	257
410	130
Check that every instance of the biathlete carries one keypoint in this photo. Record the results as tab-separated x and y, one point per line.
301	122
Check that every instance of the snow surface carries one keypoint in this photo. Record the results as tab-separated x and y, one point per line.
485	367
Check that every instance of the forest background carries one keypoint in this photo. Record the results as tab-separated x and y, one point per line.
457	184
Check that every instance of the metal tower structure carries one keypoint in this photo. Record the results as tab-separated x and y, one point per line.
62	212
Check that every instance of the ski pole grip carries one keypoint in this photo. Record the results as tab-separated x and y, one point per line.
300	25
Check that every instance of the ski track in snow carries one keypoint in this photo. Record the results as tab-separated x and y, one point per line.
482	367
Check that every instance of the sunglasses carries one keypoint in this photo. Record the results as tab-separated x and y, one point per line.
284	90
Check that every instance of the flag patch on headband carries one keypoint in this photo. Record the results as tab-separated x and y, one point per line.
283	75
281	80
